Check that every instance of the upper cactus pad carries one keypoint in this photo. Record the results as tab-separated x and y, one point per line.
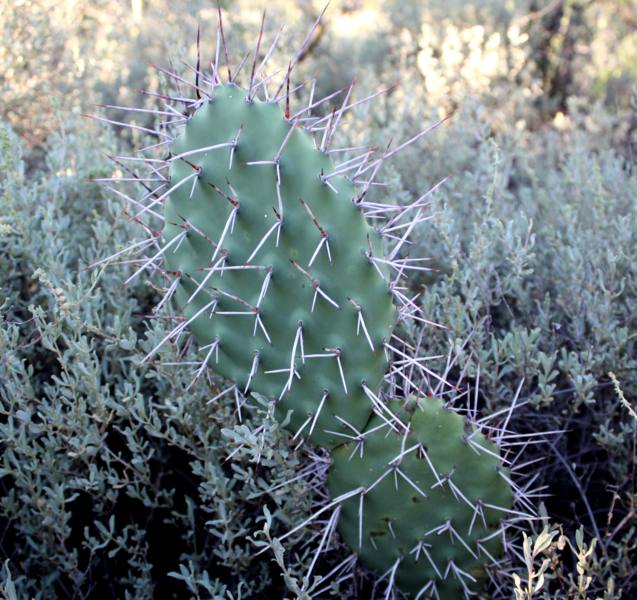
278	270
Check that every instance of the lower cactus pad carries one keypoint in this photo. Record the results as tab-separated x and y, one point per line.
433	494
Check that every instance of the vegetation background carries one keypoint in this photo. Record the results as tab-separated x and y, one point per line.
115	481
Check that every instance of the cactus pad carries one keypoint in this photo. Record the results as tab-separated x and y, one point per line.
432	499
275	264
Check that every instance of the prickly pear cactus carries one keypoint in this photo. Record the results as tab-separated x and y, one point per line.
431	497
289	274
276	263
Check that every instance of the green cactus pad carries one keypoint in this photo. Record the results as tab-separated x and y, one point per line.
293	276
428	517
